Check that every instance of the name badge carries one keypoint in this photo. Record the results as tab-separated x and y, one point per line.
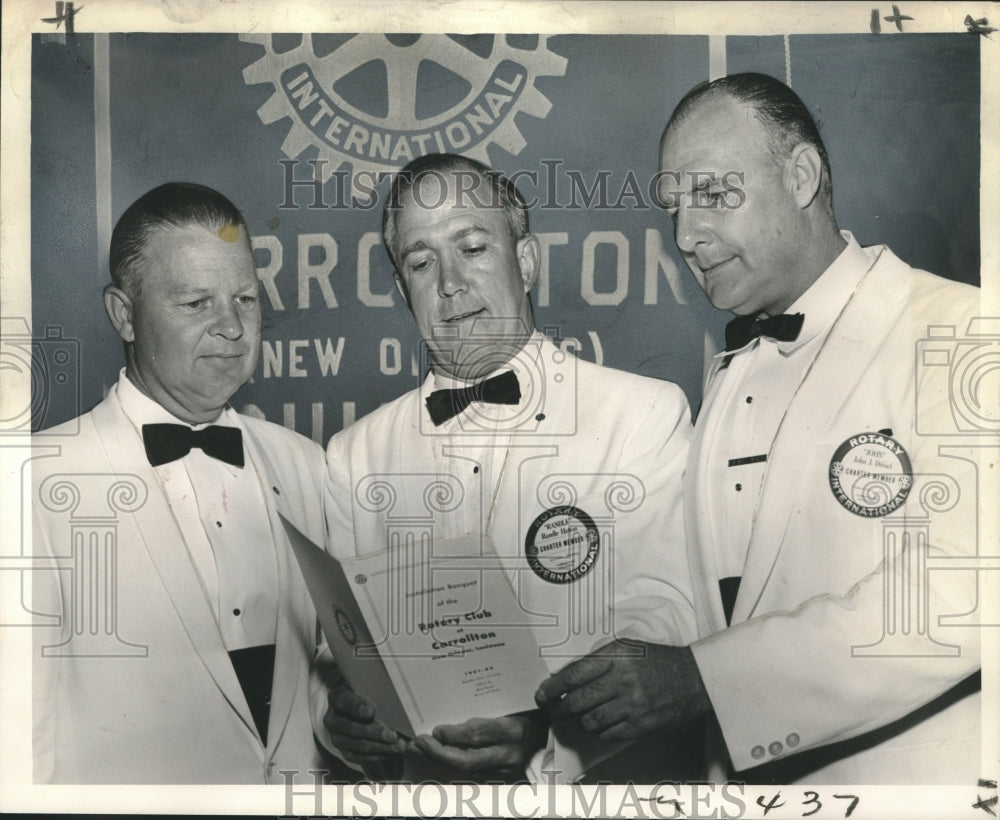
870	475
562	544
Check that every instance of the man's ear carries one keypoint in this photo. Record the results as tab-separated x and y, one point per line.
119	306
805	174
401	287
529	260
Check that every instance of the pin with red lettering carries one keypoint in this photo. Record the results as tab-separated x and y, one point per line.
871	475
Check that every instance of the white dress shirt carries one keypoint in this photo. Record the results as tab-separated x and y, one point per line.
481	438
220	510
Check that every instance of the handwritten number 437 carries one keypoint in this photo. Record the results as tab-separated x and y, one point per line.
812	801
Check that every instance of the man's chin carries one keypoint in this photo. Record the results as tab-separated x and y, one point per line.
729	301
217	391
486	359
225	370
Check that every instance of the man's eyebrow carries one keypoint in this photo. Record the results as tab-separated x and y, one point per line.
464	232
413	247
188	290
461	233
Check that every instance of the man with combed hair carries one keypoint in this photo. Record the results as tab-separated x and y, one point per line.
815	490
175	644
521	429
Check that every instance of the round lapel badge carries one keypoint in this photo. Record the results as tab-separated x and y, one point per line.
562	544
871	475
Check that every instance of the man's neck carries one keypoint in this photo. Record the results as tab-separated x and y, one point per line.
829	245
505	358
174	408
820	250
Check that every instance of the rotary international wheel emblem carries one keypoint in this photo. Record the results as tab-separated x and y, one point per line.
376	101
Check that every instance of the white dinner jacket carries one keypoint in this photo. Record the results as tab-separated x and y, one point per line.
807	661
169	707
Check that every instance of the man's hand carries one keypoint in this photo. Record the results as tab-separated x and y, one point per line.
355	732
629	696
488	749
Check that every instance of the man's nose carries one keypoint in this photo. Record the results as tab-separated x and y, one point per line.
690	229
226	321
451	277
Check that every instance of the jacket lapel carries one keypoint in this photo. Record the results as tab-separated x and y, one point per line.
704	571
293	609
163	541
847	352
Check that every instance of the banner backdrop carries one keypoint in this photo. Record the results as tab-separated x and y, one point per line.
300	132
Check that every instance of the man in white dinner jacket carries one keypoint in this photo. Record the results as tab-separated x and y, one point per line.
507	432
174	635
831	492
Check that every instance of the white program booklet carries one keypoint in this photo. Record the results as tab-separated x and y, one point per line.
431	631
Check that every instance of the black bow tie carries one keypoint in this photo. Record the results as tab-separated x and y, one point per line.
501	389
169	442
783	328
